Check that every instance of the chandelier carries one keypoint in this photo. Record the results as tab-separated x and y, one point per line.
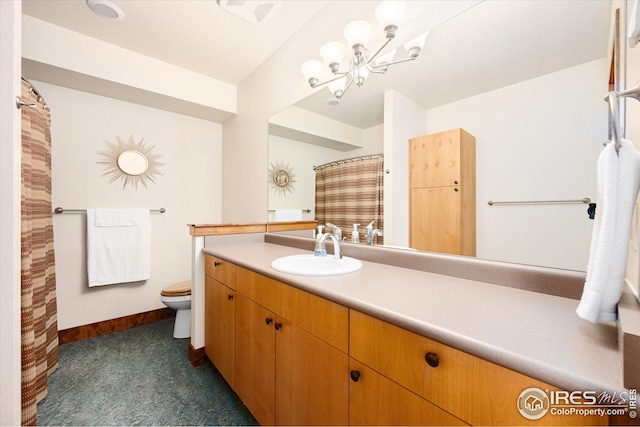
388	13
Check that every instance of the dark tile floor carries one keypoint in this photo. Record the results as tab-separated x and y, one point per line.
140	376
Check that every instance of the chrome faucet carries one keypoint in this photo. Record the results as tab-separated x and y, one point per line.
337	231
321	250
370	233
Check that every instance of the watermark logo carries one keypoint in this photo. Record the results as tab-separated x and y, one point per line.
534	403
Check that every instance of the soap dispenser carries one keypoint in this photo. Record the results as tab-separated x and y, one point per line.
355	235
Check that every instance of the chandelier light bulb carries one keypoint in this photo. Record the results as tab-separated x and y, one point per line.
332	54
414	46
391	12
357	33
337	87
312	71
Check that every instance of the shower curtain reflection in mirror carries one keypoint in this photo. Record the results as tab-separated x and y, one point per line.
351	192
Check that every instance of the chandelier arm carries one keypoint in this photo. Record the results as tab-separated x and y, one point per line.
372	57
411	58
346	88
339	76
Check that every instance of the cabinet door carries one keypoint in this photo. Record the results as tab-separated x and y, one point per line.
375	400
220	315
435	160
436	220
255	359
311	379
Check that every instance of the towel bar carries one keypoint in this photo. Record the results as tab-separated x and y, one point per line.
540	202
60	210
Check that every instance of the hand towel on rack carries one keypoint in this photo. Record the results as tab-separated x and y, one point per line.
118	246
287	215
618	177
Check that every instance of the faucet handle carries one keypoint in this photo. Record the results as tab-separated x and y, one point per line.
337	231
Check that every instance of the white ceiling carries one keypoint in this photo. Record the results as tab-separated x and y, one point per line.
491	44
194	34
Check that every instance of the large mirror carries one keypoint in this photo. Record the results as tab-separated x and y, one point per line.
526	78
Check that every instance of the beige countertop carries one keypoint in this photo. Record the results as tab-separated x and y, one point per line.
536	334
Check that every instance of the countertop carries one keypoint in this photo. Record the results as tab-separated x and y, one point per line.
536	334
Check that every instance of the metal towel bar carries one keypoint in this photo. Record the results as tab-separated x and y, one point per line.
60	210
540	202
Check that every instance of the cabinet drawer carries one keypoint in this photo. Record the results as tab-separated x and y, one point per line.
472	389
325	319
221	270
374	400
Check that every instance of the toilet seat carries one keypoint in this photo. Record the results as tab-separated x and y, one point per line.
177	289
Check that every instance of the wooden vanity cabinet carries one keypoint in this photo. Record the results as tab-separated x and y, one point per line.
291	353
467	387
220	316
442	198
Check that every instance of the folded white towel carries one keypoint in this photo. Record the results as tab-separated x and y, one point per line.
118	246
287	215
618	177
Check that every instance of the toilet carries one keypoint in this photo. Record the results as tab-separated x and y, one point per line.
178	297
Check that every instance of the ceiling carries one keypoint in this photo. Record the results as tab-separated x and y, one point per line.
473	46
198	35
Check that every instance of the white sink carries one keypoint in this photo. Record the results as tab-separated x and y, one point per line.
310	265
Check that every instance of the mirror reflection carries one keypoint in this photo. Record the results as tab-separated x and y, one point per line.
526	79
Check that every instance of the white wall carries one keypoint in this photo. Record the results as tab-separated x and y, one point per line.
189	188
404	119
10	151
525	142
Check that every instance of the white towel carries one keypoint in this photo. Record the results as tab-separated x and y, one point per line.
118	246
287	215
618	177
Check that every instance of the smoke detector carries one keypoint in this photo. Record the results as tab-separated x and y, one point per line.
106	9
256	12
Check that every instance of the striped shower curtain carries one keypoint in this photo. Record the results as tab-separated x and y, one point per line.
39	326
351	192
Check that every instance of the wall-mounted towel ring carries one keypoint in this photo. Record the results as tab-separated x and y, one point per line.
613	98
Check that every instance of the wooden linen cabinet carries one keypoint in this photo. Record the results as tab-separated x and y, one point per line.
442	198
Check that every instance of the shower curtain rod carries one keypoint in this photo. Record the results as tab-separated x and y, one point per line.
351	159
60	210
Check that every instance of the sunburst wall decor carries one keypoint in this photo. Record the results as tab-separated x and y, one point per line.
130	161
281	178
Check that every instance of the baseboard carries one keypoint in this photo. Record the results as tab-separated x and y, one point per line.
78	333
197	356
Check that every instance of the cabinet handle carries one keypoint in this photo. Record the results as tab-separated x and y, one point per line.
216	263
355	376
455	189
455	182
277	325
268	320
229	297
432	359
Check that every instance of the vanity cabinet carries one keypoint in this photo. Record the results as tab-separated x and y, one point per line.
442	205
466	387
291	360
295	358
220	316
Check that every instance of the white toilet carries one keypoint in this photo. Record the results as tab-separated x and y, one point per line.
178	297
